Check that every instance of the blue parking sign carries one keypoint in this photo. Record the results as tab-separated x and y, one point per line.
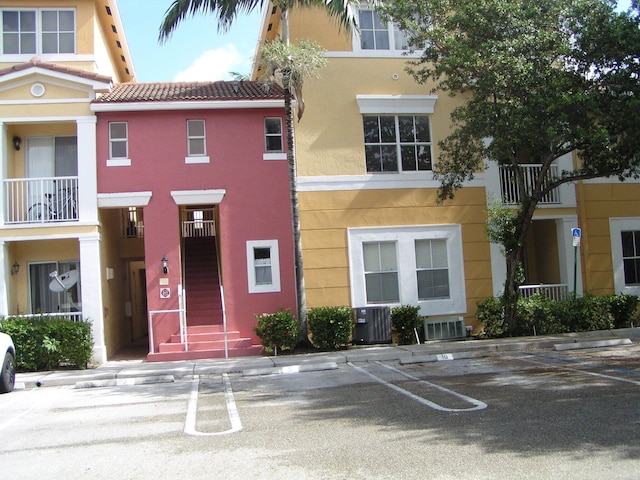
576	232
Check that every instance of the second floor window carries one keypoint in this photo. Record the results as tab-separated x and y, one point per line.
38	31
118	144
273	134
375	34
196	141
397	143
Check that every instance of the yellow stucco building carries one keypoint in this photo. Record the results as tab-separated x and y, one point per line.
372	233
55	58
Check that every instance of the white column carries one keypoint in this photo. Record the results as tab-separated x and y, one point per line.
5	268
91	292
4	159
87	170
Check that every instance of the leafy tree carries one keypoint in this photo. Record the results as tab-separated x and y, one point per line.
537	80
290	71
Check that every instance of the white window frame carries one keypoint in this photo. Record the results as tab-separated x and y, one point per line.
197	157
399	143
274	286
405	238
392	34
39	32
113	161
274	154
616	227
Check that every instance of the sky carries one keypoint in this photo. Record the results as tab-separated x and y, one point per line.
196	51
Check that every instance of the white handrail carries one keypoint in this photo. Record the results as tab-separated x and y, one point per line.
151	313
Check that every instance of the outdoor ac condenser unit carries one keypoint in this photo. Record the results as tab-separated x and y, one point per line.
371	325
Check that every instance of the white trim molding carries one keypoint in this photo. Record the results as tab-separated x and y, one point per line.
397	104
197	197
124	199
616	227
274	258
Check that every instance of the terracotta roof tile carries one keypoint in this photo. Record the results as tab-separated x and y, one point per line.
190	91
36	62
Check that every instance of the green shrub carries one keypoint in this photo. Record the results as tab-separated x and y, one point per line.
490	312
44	343
330	327
624	309
539	315
404	320
277	331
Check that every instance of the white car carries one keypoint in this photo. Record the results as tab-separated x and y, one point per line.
8	357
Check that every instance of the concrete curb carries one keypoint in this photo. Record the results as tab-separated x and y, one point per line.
592	344
126	381
310	367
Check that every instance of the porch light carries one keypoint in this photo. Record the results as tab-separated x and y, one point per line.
165	265
15	268
17	141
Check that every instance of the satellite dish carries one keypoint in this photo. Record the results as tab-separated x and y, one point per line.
62	283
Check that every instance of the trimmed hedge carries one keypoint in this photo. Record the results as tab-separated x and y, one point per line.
539	315
330	327
45	343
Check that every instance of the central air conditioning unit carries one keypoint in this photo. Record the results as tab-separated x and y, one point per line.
444	328
371	325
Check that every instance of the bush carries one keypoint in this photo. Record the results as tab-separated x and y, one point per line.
330	327
277	330
44	343
543	316
404	320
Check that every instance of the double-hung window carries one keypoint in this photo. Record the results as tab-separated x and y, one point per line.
263	266
432	270
273	134
196	142
381	272
397	143
375	34
414	265
38	31
118	144
631	257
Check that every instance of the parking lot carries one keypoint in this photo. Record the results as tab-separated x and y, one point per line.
541	414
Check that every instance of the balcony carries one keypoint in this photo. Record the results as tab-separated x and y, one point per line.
510	191
41	200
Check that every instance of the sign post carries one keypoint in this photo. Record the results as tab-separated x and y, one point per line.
576	234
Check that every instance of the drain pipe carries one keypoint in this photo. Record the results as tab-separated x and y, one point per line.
224	323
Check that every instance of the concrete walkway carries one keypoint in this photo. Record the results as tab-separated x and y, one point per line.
130	372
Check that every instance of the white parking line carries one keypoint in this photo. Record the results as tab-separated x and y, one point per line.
192	410
478	405
585	372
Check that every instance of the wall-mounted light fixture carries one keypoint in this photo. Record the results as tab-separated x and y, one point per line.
17	141
165	265
15	268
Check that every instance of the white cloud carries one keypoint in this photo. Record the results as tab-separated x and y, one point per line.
215	65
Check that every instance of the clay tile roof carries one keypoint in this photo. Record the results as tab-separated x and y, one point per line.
36	62
190	91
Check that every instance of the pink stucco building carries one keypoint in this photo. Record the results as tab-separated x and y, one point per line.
193	195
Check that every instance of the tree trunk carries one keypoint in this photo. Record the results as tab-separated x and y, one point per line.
301	299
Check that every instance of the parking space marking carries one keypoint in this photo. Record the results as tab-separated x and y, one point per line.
192	409
477	404
587	365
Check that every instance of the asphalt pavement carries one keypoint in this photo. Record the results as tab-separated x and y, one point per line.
135	372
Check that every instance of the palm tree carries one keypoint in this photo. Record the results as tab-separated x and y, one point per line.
343	12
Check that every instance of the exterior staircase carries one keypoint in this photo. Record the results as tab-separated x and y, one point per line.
204	341
205	331
202	283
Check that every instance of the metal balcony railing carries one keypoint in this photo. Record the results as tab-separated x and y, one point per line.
41	200
509	184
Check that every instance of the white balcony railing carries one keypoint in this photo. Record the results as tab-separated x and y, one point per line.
41	200
552	291
509	183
